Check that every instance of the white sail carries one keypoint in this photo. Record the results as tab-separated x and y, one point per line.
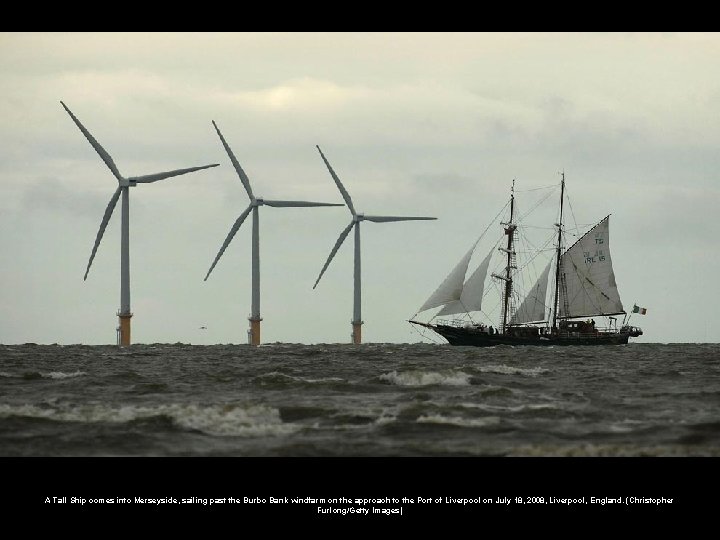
587	281
472	291
452	287
532	308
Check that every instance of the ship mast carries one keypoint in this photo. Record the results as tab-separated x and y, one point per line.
557	262
510	232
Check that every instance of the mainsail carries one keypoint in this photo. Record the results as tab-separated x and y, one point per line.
533	307
450	289
587	281
472	291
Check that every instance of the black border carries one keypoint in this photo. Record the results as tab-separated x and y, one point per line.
679	479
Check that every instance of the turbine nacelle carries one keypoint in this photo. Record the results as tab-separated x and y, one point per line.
127	182
357	218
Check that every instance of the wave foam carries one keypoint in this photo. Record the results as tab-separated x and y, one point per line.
427	378
277	377
510	370
40	375
61	375
512	408
459	420
222	420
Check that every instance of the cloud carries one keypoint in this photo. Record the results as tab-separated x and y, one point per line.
51	196
413	123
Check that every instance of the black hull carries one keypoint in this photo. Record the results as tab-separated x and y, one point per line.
470	337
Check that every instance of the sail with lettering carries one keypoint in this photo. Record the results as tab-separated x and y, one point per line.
587	282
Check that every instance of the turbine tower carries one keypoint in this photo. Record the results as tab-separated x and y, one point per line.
356	219
255	203
124	184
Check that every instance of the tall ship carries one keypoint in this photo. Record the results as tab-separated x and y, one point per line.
572	299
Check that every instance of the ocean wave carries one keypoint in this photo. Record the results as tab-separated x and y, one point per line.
61	375
512	408
220	420
238	420
511	370
386	418
459	420
427	378
275	377
493	390
626	426
40	375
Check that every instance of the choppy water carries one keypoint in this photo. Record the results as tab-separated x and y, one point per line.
421	427
372	400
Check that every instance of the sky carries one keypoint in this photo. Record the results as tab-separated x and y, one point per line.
426	124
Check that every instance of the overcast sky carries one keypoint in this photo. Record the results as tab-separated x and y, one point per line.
414	124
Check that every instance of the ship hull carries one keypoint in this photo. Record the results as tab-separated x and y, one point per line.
470	337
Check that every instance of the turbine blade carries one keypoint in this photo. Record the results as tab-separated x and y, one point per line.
96	145
103	226
383	219
233	230
339	242
342	189
148	178
282	204
243	177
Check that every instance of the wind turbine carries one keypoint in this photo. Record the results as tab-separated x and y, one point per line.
124	184
255	203
356	219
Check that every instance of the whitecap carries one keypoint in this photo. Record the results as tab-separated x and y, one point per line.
221	420
459	420
511	370
427	378
61	375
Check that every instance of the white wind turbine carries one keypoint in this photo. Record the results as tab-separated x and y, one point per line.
356	219
124	314
255	203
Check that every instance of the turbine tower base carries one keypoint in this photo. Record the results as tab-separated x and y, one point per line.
357	332
254	337
124	340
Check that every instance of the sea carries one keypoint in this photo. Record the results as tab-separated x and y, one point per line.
404	414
